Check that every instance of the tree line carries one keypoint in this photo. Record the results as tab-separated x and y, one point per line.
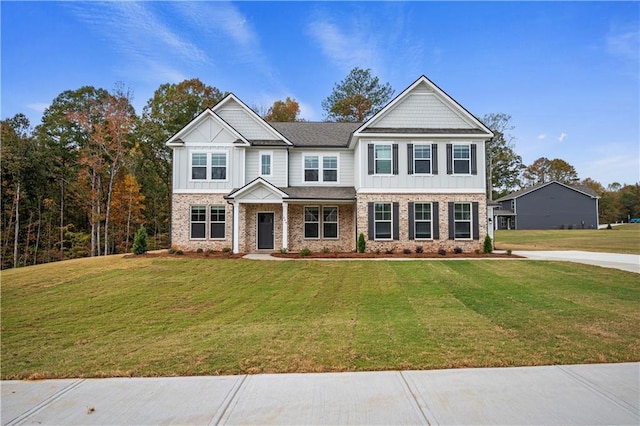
82	181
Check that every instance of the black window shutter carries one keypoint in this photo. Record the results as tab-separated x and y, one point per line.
396	221
475	219
449	159
452	233
395	158
410	158
435	220
434	159
411	218
370	230
370	157
474	159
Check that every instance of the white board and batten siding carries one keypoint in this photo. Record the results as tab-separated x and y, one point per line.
207	137
245	124
253	167
405	182
345	166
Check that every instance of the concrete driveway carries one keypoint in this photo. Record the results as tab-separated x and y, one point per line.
626	262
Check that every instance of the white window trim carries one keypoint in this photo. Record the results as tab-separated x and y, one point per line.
224	222
462	221
209	165
375	169
428	144
304	222
375	221
453	159
191	222
321	157
337	222
270	154
415	222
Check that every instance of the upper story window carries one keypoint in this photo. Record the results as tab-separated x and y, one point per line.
265	163
330	168
461	159
382	159
208	166
313	172
311	168
198	166
422	159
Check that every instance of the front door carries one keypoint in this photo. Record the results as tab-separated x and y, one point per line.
265	231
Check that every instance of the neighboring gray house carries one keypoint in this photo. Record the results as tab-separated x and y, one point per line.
551	205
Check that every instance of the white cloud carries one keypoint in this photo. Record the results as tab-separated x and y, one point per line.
618	168
562	136
542	136
347	49
137	31
38	106
624	44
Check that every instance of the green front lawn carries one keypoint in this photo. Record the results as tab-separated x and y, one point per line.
177	316
620	239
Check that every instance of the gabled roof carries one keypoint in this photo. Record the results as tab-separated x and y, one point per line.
176	141
256	183
277	136
472	126
578	188
317	134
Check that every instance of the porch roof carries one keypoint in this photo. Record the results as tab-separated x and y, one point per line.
320	193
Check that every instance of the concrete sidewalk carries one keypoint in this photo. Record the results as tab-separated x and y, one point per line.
578	394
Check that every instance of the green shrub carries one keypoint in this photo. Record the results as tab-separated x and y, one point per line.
199	250
283	250
362	243
305	252
140	241
325	250
179	252
442	251
487	246
457	250
226	250
419	249
406	251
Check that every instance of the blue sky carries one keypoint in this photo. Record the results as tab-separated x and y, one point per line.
567	72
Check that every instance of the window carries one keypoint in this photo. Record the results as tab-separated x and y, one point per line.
462	220
198	166
198	222
218	166
330	222
422	159
217	222
461	159
311	168
312	222
265	164
382	159
422	220
330	169
382	221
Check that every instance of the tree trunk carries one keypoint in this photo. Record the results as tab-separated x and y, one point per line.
35	252
62	218
112	175
16	233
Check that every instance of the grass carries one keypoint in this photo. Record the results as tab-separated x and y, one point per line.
170	316
620	239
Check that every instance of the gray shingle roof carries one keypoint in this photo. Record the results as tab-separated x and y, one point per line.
317	134
580	188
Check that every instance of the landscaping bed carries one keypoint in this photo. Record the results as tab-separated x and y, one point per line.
393	255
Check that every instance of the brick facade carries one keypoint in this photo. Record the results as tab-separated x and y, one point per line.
346	230
181	222
403	222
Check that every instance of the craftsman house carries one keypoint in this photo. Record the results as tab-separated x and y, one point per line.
412	175
549	205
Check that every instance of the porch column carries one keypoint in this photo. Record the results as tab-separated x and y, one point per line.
285	225
236	227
